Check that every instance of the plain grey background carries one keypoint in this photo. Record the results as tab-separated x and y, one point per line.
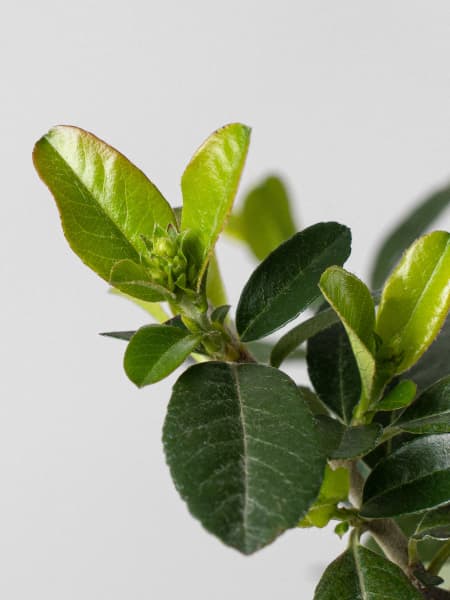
348	100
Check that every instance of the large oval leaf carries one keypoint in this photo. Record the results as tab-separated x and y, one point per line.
105	202
414	303
414	478
155	351
243	452
430	413
360	574
333	371
209	185
286	282
402	236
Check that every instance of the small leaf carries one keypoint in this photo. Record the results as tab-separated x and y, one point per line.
119	335
133	279
286	282
347	442
242	450
352	301
414	225
414	478
335	489
400	396
155	351
414	303
430	413
105	202
266	220
209	185
359	573
342	528
220	313
435	524
333	371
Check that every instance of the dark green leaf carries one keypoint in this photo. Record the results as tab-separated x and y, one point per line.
120	335
243	452
413	226
209	185
414	478
106	203
399	397
155	351
435	524
430	413
133	279
414	303
265	220
286	282
351	300
333	370
346	442
360	574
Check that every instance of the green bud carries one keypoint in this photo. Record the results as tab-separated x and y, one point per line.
165	247
179	265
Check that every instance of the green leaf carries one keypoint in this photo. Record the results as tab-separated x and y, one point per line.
105	202
290	341
430	413
119	335
414	225
347	442
414	478
242	450
335	489
265	220
134	280
333	370
414	303
400	396
209	185
360	574
435	524
220	313
155	351
352	301
215	288
434	364
285	283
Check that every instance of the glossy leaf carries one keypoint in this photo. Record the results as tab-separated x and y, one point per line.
347	442
286	282
402	236
414	303
414	478
359	573
134	280
209	185
155	351
265	220
352	301
291	340
400	396
430	413
105	202
333	370
242	450
435	524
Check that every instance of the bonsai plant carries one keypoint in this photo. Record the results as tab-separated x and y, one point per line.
365	444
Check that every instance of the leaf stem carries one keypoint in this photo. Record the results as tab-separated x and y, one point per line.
439	559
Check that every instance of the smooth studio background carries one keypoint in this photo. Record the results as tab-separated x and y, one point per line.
349	100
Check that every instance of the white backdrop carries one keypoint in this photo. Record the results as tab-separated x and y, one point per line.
349	100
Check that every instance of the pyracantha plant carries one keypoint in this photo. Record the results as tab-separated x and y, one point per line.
364	444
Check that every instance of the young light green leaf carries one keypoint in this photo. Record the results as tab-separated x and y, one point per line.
333	370
155	351
414	303
265	220
400	396
359	573
413	226
352	301
430	413
285	283
134	280
242	450
209	185
414	478
105	202
335	489
435	524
